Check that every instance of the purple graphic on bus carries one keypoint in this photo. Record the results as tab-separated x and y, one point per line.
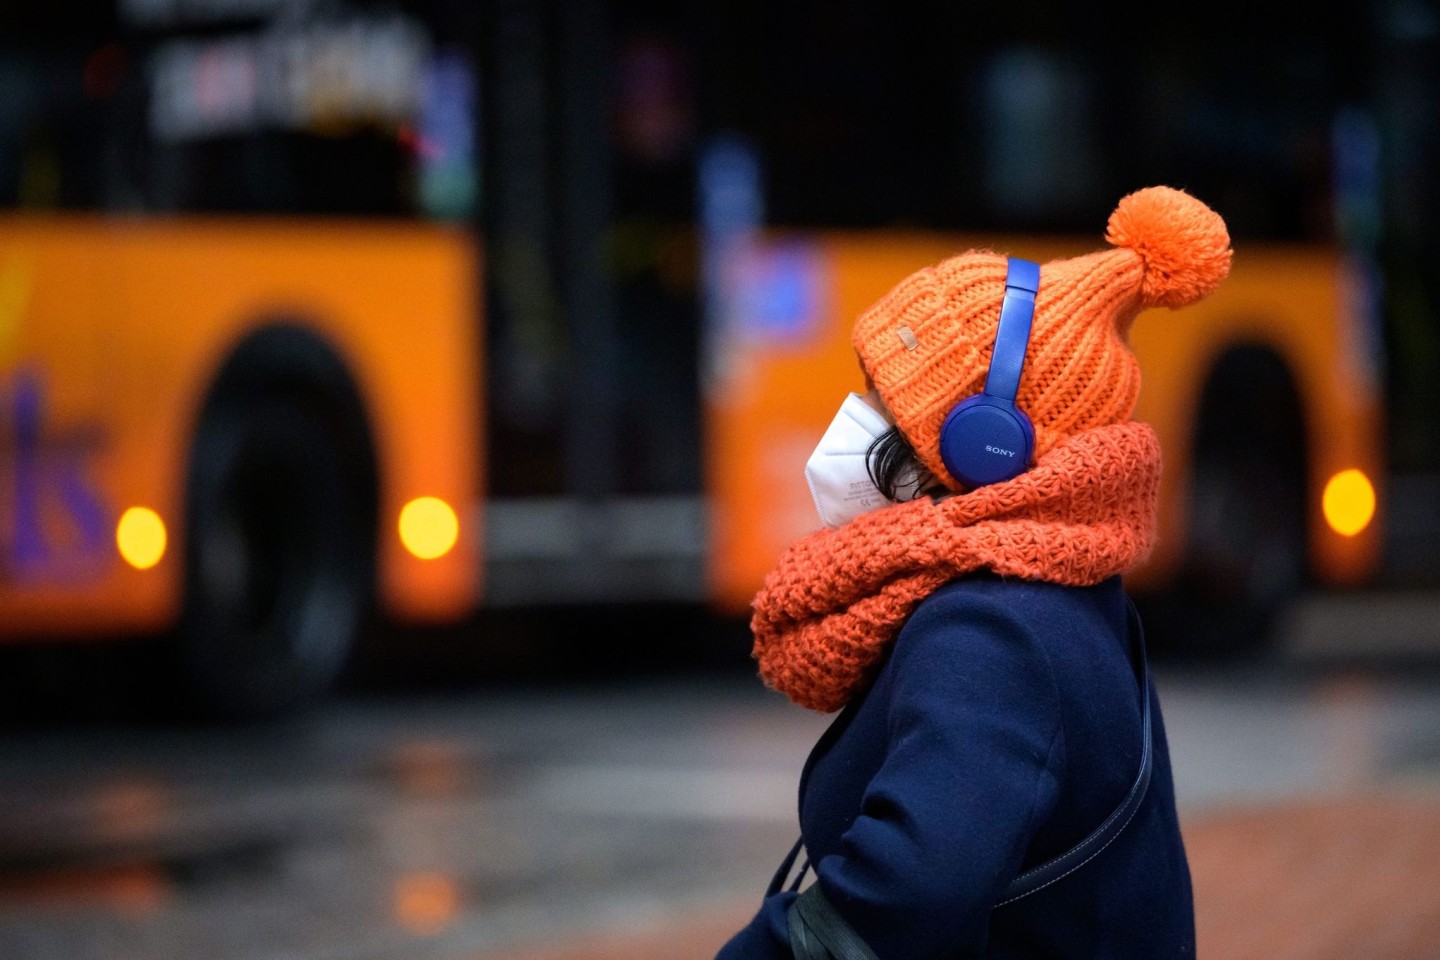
59	523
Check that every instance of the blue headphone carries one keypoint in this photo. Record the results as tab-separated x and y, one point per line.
986	438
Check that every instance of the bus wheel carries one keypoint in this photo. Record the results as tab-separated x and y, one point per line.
1245	554
1244	559
279	560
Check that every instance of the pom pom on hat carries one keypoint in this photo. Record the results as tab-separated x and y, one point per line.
927	344
1183	243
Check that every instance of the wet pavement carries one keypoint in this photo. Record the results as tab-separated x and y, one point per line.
386	827
642	818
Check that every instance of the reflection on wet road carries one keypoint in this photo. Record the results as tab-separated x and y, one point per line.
492	823
389	828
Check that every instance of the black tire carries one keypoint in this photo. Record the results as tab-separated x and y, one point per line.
279	560
1244	562
1245	555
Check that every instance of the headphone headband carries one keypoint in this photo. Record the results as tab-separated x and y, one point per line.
987	437
1022	280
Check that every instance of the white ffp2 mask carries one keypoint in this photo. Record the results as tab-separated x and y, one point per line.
838	472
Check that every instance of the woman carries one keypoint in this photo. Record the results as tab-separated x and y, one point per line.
997	782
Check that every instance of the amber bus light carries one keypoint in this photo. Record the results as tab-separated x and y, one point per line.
1349	502
428	527
140	537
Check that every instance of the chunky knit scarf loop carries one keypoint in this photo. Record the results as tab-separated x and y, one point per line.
828	612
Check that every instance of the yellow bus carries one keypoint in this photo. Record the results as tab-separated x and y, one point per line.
1265	397
242	416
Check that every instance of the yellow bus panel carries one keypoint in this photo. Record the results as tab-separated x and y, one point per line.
112	332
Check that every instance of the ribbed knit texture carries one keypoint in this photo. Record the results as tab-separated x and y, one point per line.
1079	372
828	611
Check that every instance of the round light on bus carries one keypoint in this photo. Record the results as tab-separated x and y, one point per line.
428	527
140	536
1349	502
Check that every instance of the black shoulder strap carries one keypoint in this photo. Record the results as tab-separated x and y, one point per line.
1078	855
777	882
817	932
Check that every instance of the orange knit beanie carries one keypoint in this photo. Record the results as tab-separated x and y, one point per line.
926	345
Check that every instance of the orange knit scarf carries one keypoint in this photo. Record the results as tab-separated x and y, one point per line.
829	610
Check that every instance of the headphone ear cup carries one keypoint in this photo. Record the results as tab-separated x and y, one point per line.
985	440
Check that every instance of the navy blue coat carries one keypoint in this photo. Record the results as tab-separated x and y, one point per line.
1002	728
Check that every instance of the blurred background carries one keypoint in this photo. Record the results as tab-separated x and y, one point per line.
401	402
